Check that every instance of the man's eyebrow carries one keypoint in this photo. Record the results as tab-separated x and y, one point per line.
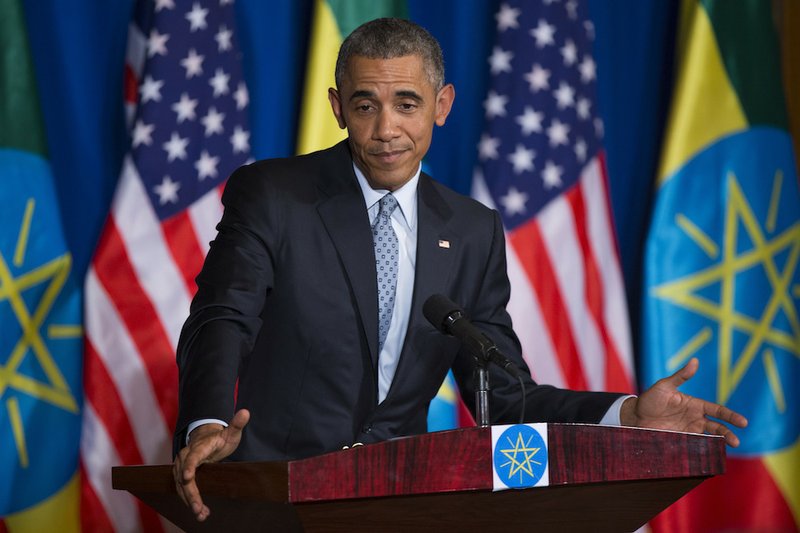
361	94
409	94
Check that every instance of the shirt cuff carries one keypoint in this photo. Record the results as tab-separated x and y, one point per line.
612	418
202	422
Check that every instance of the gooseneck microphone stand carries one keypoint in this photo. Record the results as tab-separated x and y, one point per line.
482	392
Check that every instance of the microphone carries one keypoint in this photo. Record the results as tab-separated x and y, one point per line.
449	318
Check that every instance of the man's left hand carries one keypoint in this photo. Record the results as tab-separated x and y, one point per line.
662	406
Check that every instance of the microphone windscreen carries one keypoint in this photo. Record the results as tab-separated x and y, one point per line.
437	308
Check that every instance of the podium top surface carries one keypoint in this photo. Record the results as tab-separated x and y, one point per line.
601	479
448	461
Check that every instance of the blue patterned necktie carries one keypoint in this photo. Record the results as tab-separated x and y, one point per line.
386	254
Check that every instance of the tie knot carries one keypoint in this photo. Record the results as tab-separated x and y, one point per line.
387	205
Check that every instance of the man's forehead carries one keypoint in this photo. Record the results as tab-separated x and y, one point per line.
364	71
356	57
357	62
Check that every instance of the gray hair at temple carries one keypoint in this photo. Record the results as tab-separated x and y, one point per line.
390	38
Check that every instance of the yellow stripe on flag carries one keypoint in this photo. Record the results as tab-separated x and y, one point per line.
447	392
705	106
783	467
318	127
59	513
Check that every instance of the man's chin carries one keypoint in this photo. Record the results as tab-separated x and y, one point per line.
390	179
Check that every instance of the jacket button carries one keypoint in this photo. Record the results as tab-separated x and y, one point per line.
367	428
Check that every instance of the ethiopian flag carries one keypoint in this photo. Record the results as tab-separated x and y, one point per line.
333	21
40	312
721	263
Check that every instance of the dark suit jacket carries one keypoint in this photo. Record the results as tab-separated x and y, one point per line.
287	304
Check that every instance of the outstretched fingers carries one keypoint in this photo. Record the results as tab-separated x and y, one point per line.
713	427
715	414
721	412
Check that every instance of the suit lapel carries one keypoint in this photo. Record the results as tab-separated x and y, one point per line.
344	215
437	246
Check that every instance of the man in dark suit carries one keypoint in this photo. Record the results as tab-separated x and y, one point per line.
311	295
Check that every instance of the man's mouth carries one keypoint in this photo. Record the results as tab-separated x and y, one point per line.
388	156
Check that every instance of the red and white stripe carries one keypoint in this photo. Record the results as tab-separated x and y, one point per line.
567	295
138	291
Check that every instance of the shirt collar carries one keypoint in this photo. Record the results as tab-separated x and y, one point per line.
406	195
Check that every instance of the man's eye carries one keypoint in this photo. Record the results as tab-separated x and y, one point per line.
408	107
364	108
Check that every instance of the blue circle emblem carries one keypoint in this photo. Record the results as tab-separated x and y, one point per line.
520	457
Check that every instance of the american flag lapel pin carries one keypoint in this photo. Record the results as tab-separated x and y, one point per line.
444	244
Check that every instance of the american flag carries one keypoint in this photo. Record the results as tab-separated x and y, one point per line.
189	131
542	165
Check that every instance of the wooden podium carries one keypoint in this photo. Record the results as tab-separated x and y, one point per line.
601	479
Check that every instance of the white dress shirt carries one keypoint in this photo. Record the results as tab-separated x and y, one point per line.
404	223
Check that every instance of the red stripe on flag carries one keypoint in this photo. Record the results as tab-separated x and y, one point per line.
101	392
533	255
612	224
746	498
594	294
140	318
182	242
130	85
617	378
93	514
465	418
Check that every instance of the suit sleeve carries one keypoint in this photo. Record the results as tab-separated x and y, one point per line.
544	403
224	320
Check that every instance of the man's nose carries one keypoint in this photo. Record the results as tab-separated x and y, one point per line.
386	126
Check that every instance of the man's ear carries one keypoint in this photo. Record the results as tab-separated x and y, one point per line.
336	106
444	103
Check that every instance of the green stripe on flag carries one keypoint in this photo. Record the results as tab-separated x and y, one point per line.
749	48
350	14
19	108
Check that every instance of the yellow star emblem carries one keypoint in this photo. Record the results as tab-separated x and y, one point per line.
520	456
54	389
730	261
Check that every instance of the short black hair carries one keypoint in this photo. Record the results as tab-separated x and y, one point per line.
389	38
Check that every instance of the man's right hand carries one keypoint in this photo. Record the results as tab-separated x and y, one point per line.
209	443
